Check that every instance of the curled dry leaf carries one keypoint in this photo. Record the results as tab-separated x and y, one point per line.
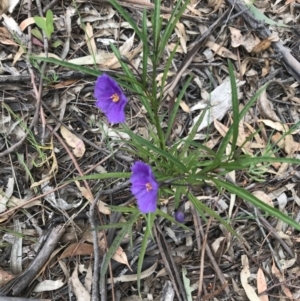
245	274
120	256
263	197
77	287
77	249
48	285
180	31
262	285
73	141
265	107
281	279
89	37
237	39
5	277
4	5
261	46
220	50
134	277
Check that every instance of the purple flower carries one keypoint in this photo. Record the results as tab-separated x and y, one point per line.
144	187
110	99
179	216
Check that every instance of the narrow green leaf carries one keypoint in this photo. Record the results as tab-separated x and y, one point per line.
145	49
242	163
156	23
226	139
143	250
202	207
128	18
235	109
100	176
244	194
175	16
71	66
174	111
116	243
157	150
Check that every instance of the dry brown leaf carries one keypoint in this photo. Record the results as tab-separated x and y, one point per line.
25	23
222	129
274	125
4	5
184	106
285	142
73	141
100	58
237	39
90	40
5	277
180	31
77	249
124	50
18	55
216	4
220	50
134	277
280	277
261	46
193	10
265	107
64	83
77	287
120	256
245	274
263	197
261	285
85	192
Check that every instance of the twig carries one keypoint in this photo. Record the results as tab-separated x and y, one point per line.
204	244
95	286
214	263
21	282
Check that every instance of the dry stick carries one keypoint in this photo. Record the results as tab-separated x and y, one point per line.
192	53
22	299
49	6
43	69
95	285
204	244
169	263
214	263
21	282
291	64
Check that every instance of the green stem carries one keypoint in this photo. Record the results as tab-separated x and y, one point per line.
155	105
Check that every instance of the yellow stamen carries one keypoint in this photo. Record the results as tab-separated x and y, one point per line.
148	187
115	97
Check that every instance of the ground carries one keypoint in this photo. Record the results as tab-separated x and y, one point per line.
55	141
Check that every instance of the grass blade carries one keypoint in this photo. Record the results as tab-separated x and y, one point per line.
244	194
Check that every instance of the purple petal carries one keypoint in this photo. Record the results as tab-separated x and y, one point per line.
144	187
106	89
179	216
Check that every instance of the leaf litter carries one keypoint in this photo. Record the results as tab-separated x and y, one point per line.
251	269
